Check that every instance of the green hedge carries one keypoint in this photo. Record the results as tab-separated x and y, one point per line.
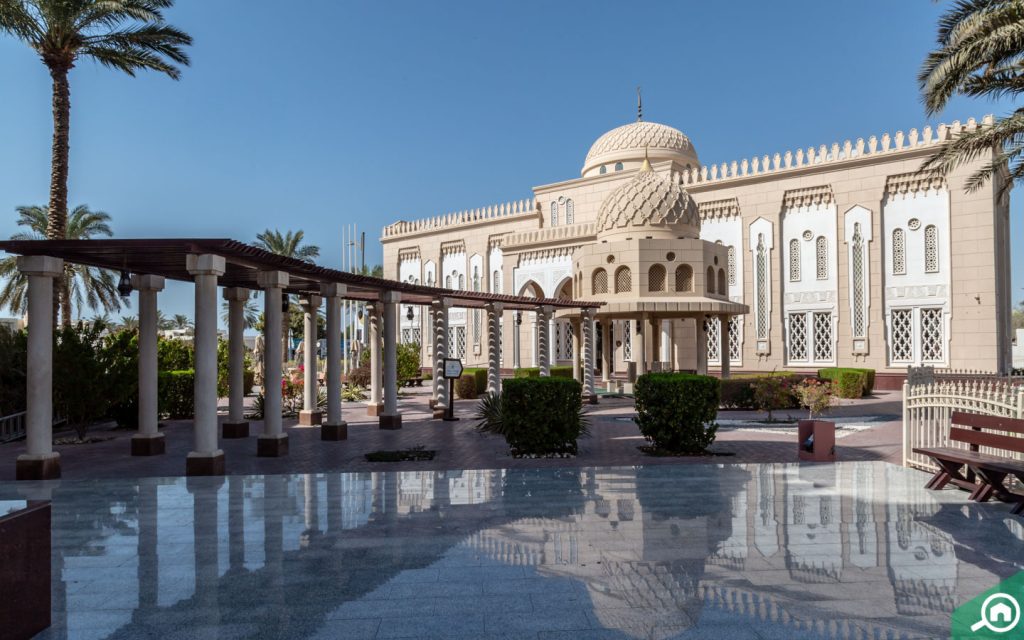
738	392
465	386
849	384
534	372
833	374
177	393
676	411
479	375
542	415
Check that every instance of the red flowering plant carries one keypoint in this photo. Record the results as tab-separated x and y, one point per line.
817	395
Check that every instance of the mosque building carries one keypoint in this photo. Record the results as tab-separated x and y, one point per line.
841	255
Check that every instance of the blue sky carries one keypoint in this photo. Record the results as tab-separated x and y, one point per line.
326	113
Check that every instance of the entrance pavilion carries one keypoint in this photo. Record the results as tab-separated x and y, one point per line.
240	269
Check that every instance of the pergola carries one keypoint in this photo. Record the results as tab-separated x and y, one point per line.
240	268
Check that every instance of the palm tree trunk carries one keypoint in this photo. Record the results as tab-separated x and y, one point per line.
56	224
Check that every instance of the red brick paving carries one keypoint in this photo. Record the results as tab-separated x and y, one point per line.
613	442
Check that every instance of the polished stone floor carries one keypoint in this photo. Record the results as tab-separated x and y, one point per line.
851	550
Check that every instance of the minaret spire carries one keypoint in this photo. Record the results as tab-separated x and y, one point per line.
639	106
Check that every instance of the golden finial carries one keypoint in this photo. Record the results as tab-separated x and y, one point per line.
646	166
639	105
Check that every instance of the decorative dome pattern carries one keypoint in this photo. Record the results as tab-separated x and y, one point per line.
637	136
651	204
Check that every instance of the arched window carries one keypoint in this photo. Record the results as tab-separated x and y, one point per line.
732	265
899	251
709	282
462	282
599	281
603	170
447	282
684	278
569	211
721	282
476	278
761	287
931	249
821	257
623	280
656	278
496	281
618	166
554	213
857	262
794	260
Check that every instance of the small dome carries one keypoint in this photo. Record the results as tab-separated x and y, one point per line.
629	142
648	205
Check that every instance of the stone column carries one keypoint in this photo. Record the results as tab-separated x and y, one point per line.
666	342
207	459
640	348
607	351
724	346
576	328
273	441
587	323
543	340
148	441
40	461
373	310
310	414
552	334
494	311
335	428
701	336
517	358
390	418
236	425
440	330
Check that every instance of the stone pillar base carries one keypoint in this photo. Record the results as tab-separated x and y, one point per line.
390	422
590	398
432	403
205	464
310	418
334	432
148	445
439	411
375	409
272	446
234	430
33	467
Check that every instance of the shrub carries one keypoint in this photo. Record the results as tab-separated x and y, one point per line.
177	393
408	360
479	376
676	411
81	392
832	374
539	416
13	349
248	380
736	393
360	377
534	372
772	393
816	395
561	371
465	386
174	355
850	384
122	354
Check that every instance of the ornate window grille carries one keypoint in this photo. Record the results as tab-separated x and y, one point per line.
857	262
627	341
656	278
821	257
714	340
411	335
794	260
554	213
735	339
899	252
823	337
684	278
567	340
460	341
623	280
932	349
902	335
462	282
797	343
721	283
599	281
709	280
931	249
761	295
569	211
732	265
496	281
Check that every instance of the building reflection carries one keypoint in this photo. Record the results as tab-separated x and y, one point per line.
852	550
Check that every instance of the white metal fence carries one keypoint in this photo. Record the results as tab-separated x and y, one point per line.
12	427
930	398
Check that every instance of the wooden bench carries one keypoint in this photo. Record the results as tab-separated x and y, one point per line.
413	382
985	473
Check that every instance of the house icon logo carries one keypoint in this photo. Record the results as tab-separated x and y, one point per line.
993	614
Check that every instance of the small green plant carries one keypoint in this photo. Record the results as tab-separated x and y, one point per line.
176	397
676	411
353	393
488	415
538	416
772	393
816	395
465	386
848	389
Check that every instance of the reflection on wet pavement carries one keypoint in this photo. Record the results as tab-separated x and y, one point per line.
851	550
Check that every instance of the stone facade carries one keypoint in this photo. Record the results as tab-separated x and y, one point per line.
843	255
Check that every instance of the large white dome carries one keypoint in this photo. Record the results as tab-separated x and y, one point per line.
648	206
630	142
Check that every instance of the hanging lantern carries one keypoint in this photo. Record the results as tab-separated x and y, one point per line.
124	285
409	313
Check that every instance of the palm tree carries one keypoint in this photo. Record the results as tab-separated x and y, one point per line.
288	245
88	286
180	321
250	313
979	55
130	323
127	35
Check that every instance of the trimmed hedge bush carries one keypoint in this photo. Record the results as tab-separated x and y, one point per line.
849	384
542	415
479	374
465	386
738	391
832	375
176	396
360	377
562	371
676	411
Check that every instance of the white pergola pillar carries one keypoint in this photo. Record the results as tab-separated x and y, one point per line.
723	348
587	325
576	328
494	311
517	321
40	461
552	334
544	324
373	309
640	348
148	441
335	428
440	331
310	414
236	426
389	417
273	442
701	336
665	344
207	459
607	351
